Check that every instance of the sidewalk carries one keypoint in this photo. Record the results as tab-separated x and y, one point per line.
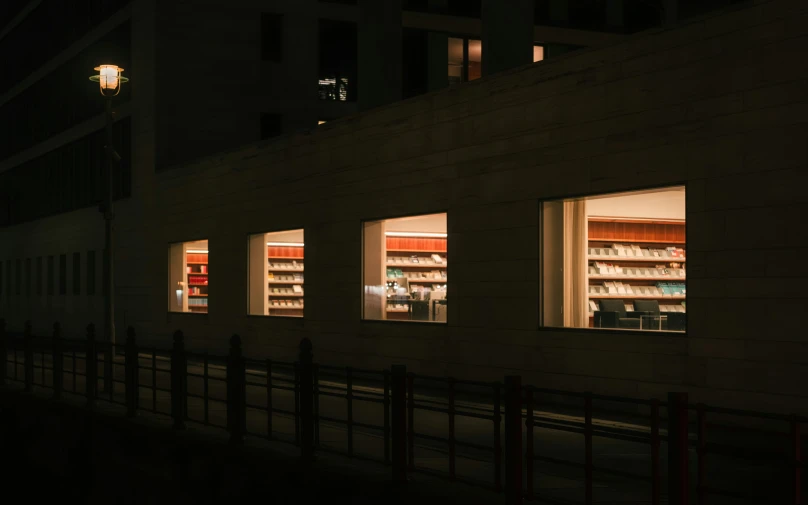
269	471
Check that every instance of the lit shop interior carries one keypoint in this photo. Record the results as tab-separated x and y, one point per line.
188	277
404	269
616	261
276	273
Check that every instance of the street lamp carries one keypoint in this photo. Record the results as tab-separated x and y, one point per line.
110	80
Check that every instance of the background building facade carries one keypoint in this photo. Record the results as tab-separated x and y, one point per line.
714	106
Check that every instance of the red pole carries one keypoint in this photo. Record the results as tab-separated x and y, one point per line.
529	449
795	437
588	446
701	452
655	485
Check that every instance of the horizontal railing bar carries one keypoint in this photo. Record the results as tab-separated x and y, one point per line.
748	413
548	459
430	437
473	445
735	494
621	473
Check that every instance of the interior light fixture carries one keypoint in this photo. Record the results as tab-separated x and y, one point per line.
414	234
195	251
286	244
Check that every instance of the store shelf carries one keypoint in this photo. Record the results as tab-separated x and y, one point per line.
197	296
285	282
666	278
275	269
428	281
200	285
398	310
645	259
286	258
639	241
196	263
628	296
196	273
424	251
286	295
433	266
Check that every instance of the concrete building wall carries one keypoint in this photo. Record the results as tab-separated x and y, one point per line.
718	104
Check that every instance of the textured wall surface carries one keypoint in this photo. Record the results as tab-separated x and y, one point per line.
719	104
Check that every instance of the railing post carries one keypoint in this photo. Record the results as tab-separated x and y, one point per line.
701	453
452	440
57	361
109	356
655	443
90	366
529	456
179	371
306	393
399	423
386	403
497	436
349	415
4	351
678	490
236	392
131	369
411	422
513	440
588	478
28	353
797	454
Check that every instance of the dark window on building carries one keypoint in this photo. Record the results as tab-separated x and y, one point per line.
65	179
39	275
9	10
76	273
414	59
90	273
43	110
587	14
465	8
271	125
338	60
63	22
27	276
50	275
271	37
1	278
415	5
63	274
18	277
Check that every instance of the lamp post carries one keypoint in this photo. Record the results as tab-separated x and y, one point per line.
110	80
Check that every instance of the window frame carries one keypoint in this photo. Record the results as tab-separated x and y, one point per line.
168	278
247	271
276	54
541	242
362	319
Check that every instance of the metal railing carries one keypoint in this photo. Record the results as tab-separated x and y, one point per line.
495	434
